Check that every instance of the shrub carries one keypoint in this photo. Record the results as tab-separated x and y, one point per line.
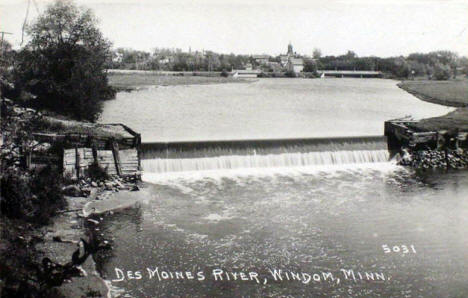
33	196
225	73
290	74
97	173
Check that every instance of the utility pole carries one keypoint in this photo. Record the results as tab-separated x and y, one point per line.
1	42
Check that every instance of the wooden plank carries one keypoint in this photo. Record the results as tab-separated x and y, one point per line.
129	161
115	152
77	163
69	161
106	161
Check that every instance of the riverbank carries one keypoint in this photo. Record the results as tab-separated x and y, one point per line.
25	247
79	221
129	81
452	93
46	249
448	153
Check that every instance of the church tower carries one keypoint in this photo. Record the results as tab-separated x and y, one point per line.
290	49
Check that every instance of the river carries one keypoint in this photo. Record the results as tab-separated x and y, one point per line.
342	222
267	108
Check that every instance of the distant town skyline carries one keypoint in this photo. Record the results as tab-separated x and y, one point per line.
369	28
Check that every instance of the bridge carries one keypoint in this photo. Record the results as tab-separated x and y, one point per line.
350	73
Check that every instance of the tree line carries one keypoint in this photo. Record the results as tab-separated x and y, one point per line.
177	60
440	65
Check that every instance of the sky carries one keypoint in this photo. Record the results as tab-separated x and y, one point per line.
367	27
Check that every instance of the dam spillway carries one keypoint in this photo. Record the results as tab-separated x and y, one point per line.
238	154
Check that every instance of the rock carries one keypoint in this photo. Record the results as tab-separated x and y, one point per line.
119	184
108	185
94	184
85	192
71	190
93	221
135	188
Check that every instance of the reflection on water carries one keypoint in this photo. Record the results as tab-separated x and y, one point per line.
308	220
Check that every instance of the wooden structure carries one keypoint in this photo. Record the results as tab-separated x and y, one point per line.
117	150
401	133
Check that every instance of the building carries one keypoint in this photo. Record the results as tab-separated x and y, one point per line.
117	57
295	64
261	59
284	60
274	66
243	73
291	61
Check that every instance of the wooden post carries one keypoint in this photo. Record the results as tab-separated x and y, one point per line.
115	152
138	147
77	162
94	148
25	157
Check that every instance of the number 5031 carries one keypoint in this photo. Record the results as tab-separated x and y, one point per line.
399	249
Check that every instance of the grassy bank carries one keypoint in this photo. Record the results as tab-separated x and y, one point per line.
131	81
457	119
452	93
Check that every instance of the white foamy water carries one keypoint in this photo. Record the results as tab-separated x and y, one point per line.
179	179
161	165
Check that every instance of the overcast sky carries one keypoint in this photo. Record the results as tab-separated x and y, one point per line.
368	27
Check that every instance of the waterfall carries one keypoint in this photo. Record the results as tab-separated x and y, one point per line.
163	165
202	156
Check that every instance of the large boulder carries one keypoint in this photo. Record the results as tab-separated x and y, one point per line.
72	191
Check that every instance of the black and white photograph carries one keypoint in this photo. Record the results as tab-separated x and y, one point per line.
234	148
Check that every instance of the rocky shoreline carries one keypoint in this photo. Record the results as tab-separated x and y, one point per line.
433	159
62	237
47	246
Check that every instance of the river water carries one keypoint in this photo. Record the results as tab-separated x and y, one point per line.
336	223
268	108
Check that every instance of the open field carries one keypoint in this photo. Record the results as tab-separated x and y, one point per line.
132	81
449	93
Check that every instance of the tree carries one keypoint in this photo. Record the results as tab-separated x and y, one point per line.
350	55
64	62
6	58
310	66
441	72
317	53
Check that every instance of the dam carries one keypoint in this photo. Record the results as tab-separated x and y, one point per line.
271	153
